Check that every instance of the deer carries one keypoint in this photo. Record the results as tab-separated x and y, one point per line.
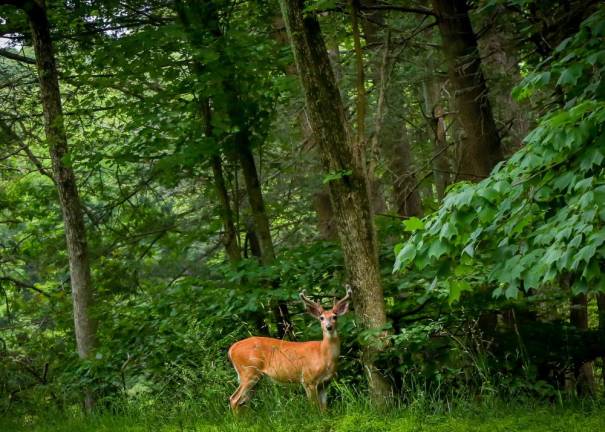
311	363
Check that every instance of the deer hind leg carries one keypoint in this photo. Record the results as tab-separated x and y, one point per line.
248	378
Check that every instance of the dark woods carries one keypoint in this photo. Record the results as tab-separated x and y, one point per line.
173	174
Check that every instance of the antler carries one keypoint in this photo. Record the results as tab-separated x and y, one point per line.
304	298
312	307
348	294
340	304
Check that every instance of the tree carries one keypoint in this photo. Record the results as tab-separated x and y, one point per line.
480	149
242	111
65	180
348	187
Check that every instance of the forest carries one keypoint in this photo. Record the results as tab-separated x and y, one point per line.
399	204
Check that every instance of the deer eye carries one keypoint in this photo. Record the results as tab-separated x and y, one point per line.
334	317
321	318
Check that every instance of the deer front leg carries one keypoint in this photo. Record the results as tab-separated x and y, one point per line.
312	393
323	396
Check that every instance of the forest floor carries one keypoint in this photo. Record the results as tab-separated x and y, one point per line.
504	418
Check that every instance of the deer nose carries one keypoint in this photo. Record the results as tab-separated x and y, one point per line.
329	327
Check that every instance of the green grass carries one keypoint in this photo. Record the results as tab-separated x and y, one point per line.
295	415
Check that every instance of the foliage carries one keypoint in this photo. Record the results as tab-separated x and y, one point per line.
539	216
135	78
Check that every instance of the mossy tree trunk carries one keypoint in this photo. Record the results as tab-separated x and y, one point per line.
348	191
75	230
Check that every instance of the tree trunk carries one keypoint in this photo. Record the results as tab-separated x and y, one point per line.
405	183
206	14
501	66
578	317
325	215
262	229
348	192
230	238
434	111
390	133
601	312
75	230
257	204
480	150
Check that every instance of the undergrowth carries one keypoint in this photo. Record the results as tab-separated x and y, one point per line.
279	408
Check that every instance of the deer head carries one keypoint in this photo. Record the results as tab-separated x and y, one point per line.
327	318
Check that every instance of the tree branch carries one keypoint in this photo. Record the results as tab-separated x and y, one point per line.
23	285
397	8
12	137
17	57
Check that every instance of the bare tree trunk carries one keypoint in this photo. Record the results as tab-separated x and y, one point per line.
348	192
254	245
325	215
230	238
578	317
405	184
75	230
481	149
257	204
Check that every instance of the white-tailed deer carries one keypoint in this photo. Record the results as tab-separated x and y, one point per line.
310	363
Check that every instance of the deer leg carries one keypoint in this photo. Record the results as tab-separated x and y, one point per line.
241	396
311	390
323	396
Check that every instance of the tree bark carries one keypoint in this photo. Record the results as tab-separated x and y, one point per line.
230	238
436	117
75	230
262	229
207	15
405	184
601	312
501	66
257	204
348	193
325	215
480	149
390	134
578	317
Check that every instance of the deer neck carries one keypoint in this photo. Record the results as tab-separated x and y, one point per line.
330	347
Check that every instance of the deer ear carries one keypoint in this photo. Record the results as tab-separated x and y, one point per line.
341	308
314	310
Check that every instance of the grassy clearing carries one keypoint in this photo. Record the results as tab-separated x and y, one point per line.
295	415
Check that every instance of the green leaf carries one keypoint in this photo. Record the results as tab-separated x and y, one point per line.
437	249
405	257
570	76
512	291
457	286
337	175
413	224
